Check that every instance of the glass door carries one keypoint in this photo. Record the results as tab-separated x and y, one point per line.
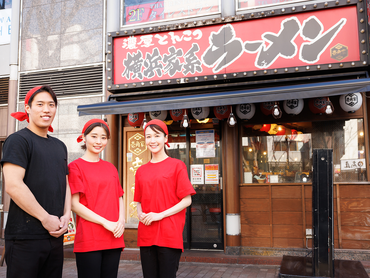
205	176
199	147
179	145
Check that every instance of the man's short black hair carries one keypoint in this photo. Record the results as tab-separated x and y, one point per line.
47	89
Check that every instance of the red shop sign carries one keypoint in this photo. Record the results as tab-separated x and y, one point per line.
303	39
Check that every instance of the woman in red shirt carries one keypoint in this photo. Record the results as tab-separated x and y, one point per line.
97	201
162	192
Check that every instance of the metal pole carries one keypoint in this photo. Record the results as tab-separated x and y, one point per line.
322	213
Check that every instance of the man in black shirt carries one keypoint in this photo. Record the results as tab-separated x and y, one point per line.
35	172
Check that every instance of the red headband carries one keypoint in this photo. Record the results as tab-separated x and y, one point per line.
21	116
160	124
89	123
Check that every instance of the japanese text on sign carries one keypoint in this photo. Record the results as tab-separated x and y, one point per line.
351	164
211	173
205	143
284	41
196	174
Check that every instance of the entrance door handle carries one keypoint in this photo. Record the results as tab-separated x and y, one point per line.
220	183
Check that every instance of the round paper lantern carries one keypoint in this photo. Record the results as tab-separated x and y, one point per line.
293	106
245	111
177	114
267	107
222	112
159	115
135	119
200	113
350	102
318	105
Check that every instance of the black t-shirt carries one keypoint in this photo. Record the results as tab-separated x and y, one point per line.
45	162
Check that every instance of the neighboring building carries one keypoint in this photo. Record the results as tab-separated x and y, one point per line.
262	83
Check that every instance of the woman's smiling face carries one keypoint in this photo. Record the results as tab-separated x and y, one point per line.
96	140
155	140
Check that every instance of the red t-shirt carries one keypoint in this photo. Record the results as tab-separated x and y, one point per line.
99	189
158	187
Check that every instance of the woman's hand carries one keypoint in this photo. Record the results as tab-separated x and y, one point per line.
119	229
148	218
109	225
141	216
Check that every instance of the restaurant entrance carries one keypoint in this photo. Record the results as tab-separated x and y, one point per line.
199	147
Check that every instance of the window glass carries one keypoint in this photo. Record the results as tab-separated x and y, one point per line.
5	4
274	153
142	11
245	4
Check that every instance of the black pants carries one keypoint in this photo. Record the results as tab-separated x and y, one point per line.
39	258
160	262
98	264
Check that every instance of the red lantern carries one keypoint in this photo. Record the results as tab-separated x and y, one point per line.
135	119
177	114
281	130
265	127
318	105
294	134
267	107
222	112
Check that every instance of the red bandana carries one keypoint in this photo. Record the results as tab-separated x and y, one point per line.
89	123
158	123
21	116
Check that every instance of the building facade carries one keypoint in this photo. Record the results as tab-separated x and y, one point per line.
248	89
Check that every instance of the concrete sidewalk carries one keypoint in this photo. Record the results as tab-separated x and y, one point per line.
132	269
193	263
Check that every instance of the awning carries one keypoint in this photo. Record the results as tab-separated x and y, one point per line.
303	91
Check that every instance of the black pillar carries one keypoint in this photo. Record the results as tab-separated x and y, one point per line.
322	213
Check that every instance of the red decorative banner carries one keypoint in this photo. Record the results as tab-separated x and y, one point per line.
304	39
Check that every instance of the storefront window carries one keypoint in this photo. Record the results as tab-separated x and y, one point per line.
143	11
5	21
5	4
274	153
250	4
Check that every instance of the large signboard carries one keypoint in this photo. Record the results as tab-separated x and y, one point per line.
278	44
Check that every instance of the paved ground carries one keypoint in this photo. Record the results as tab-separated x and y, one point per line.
132	269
